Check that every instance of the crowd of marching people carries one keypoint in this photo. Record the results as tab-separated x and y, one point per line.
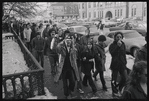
70	56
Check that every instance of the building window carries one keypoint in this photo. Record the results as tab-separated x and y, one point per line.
133	13
102	14
118	13
115	12
89	5
98	14
98	4
89	14
94	4
82	5
94	14
83	15
145	9
121	12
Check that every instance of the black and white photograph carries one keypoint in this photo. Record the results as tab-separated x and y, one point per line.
74	50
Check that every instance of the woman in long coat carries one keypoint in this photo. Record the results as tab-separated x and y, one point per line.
87	65
118	64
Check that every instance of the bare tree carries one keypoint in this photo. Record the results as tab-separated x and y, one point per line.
21	9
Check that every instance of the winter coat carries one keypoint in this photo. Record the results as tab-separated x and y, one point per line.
100	57
45	33
118	56
38	44
61	49
84	40
87	65
133	92
47	46
141	54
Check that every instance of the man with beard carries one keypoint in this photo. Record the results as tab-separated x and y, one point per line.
67	67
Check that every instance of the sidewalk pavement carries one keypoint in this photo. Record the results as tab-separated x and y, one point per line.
58	91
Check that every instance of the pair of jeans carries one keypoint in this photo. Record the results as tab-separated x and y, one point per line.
68	81
39	56
53	60
121	83
101	74
88	78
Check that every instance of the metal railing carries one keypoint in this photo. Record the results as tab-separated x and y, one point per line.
35	77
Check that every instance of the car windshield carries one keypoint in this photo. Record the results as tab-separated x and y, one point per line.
131	34
122	25
80	29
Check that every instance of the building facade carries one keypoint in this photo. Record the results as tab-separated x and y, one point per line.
64	10
93	10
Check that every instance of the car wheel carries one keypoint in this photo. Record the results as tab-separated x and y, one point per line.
134	51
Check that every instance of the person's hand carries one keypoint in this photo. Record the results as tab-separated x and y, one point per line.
92	70
84	58
119	43
90	60
46	38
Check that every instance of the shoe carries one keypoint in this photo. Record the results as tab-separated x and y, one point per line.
95	78
81	91
104	88
67	97
94	91
116	95
85	85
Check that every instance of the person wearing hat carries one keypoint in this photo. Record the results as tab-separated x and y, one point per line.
142	53
100	59
50	50
118	63
67	68
87	57
38	46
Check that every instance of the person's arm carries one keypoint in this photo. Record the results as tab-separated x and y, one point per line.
33	43
126	95
24	33
113	49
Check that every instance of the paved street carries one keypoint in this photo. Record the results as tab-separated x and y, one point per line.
58	91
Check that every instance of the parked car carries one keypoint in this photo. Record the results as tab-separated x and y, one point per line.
140	27
109	23
132	39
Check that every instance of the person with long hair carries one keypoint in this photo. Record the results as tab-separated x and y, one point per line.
136	87
100	60
87	57
50	50
118	63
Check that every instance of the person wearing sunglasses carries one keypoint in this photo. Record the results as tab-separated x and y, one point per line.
136	87
118	64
